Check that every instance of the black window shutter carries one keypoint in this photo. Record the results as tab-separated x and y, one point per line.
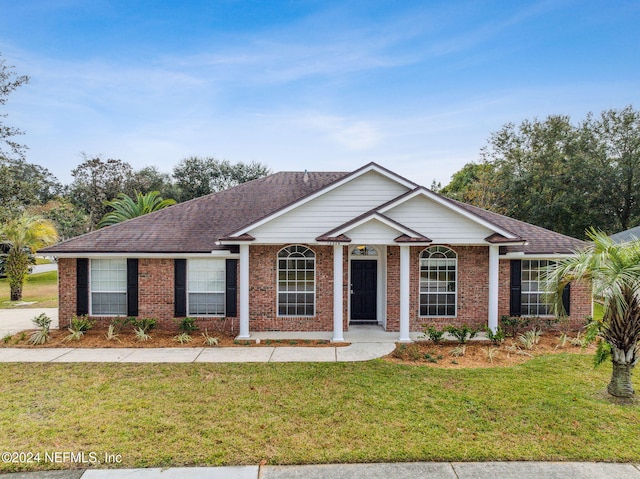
132	287
82	286
180	287
515	304
566	299
231	303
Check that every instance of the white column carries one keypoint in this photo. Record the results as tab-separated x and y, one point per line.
244	292
405	293
493	287
338	296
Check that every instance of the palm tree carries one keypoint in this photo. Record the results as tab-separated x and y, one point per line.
24	236
125	207
614	271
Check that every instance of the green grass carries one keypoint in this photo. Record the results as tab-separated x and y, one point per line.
551	408
40	289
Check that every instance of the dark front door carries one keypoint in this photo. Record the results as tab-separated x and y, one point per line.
364	288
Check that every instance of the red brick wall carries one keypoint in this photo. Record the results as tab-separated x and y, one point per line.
580	303
263	292
156	292
66	290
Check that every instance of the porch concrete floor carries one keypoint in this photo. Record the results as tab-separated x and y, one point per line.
356	334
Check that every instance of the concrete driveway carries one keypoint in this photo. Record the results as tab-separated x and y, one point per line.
15	320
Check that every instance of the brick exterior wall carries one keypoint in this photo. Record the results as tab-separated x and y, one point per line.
580	300
156	292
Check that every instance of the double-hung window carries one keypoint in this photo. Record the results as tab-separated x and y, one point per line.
438	281
534	300
206	287
109	287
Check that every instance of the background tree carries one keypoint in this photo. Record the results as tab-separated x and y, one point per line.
148	179
9	82
68	219
23	185
125	207
97	181
24	235
557	175
196	176
614	271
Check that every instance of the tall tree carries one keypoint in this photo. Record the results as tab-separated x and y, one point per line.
9	82
558	175
613	143
24	235
196	176
125	207
97	181
24	185
70	220
148	179
614	271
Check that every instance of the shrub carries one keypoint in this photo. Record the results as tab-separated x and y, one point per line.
463	333
514	324
497	337
188	325
141	334
433	334
79	326
212	341
145	324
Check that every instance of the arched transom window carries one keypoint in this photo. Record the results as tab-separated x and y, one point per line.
296	281
438	281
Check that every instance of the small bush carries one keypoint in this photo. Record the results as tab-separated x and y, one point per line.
462	334
79	326
497	337
459	351
530	339
514	324
188	325
145	324
432	334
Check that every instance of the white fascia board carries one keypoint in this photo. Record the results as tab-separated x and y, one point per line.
537	256
383	219
432	196
216	254
348	178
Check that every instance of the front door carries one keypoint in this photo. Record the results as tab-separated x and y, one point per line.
364	291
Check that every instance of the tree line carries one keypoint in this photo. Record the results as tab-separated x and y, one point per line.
80	206
564	176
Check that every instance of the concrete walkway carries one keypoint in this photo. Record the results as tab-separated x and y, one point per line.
354	352
14	320
430	470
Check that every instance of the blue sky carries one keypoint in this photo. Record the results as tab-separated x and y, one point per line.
417	86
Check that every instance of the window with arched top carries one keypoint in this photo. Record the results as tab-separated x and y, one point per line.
364	251
438	281
296	281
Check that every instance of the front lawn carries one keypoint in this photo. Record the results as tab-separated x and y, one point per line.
40	291
550	408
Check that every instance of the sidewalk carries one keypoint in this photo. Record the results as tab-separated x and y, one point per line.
427	470
280	354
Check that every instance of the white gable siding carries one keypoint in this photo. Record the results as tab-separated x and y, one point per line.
437	222
373	232
330	210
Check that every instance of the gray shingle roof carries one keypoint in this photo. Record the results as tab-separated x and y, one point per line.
196	226
626	236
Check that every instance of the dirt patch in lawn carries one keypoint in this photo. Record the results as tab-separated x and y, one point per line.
97	338
484	354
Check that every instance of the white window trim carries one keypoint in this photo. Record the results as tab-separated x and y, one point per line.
420	258
541	292
315	296
91	291
223	292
